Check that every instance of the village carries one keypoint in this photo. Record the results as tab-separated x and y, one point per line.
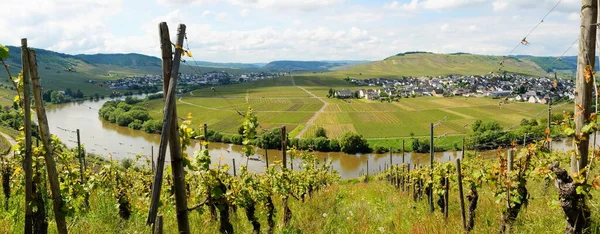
506	86
210	78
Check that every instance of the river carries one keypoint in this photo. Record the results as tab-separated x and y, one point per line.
104	138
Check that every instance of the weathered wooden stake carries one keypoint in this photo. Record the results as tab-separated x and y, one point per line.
158	225
205	128
28	159
586	60
461	194
367	178
80	156
57	204
152	156
169	133
234	172
267	157
284	146
431	150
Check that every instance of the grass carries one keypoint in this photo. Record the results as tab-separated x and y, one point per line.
277	102
347	207
440	64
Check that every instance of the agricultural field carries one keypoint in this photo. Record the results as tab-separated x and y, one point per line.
278	102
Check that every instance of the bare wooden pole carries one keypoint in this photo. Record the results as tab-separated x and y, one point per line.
234	172
158	225
80	156
549	123
152	156
169	133
431	152
205	129
57	205
586	60
460	192
283	146
27	160
266	157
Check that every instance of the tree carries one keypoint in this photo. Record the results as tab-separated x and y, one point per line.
47	95
320	132
69	92
352	143
78	94
524	122
57	97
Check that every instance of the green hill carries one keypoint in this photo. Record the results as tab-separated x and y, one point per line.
430	64
287	65
61	71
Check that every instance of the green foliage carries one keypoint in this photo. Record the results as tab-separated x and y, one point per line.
320	132
152	126
57	97
353	143
132	115
3	52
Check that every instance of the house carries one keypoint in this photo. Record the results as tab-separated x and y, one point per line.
437	93
534	99
344	93
362	93
499	94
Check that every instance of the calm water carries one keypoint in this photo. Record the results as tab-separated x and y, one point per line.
103	138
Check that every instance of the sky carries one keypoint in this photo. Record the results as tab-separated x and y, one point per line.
257	31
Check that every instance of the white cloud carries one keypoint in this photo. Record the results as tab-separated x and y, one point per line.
244	12
276	4
449	4
409	6
565	6
221	17
432	4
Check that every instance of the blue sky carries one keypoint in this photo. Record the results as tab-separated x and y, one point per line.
266	30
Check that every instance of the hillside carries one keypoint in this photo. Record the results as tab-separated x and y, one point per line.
287	65
60	71
430	64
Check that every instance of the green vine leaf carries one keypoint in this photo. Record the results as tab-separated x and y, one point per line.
3	52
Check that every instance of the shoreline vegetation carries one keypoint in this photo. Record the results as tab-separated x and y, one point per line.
133	113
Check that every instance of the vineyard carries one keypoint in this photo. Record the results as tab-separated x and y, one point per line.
50	188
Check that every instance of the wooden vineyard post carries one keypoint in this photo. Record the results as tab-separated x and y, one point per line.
461	195
234	172
431	208
509	166
205	129
584	83
158	225
463	149
367	178
283	146
152	156
80	156
28	159
549	124
57	204
267	157
169	133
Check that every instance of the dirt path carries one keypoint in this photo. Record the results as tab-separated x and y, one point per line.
11	140
316	115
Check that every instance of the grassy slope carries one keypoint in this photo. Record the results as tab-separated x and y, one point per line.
277	102
348	207
440	64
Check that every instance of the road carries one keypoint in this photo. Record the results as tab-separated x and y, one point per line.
316	115
11	140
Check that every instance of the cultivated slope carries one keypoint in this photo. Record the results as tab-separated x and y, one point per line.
429	64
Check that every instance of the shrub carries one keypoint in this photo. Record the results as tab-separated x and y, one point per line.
334	145
124	119
237	139
152	126
352	143
321	144
320	132
136	124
